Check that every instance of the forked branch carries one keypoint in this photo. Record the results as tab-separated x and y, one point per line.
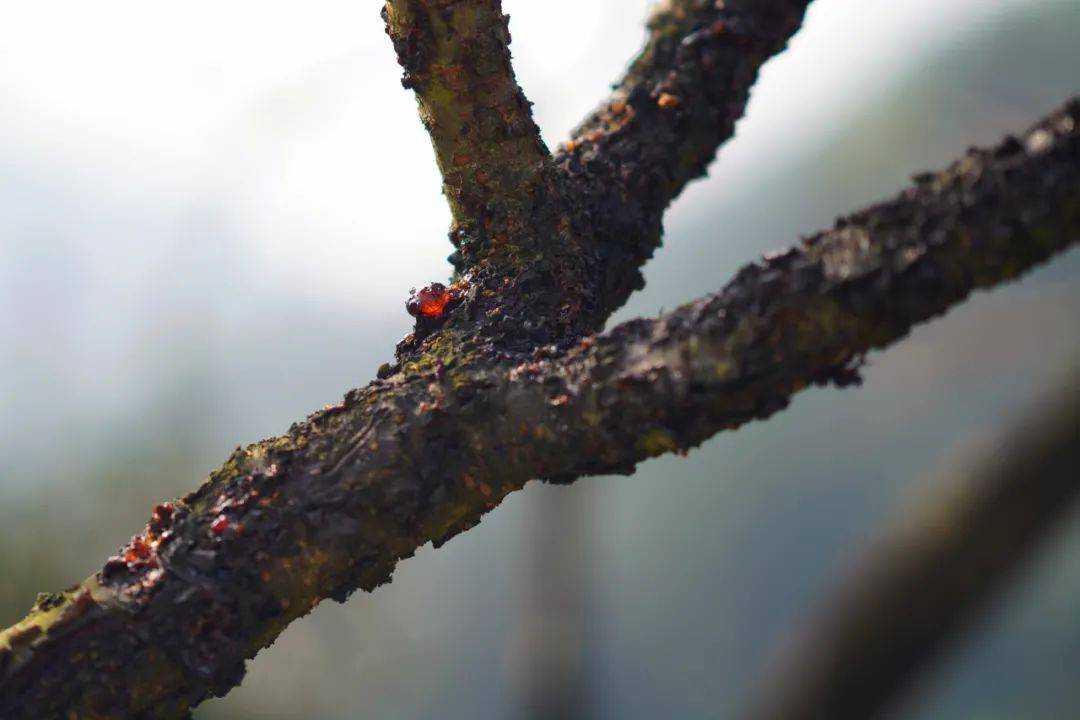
503	382
551	254
421	455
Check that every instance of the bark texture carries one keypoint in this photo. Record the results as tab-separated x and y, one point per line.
660	129
549	256
421	455
512	224
503	381
498	175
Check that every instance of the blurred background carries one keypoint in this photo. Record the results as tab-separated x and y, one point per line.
210	217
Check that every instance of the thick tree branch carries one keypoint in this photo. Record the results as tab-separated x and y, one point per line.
421	455
677	103
920	585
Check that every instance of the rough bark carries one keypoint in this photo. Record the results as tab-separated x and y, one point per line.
423	453
924	581
679	100
550	248
498	175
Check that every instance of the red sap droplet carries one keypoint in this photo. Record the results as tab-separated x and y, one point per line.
429	302
140	548
667	101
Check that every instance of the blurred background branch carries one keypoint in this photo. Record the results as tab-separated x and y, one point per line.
927	579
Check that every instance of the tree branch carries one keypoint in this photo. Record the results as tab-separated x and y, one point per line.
660	129
569	242
512	224
421	455
917	589
494	165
